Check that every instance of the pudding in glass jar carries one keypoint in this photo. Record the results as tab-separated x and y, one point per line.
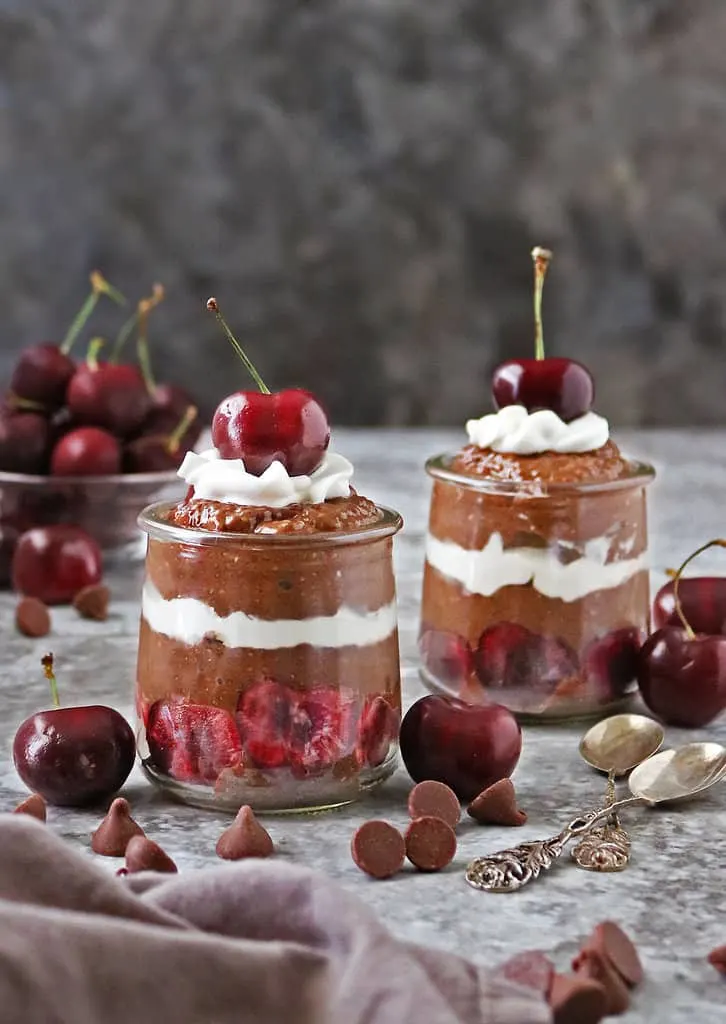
268	669
536	589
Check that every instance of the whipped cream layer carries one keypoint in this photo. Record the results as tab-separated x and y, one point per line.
189	621
515	431
227	480
485	572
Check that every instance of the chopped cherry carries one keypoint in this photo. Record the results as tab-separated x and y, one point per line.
377	731
108	395
610	663
74	756
264	719
192	742
447	656
86	451
497	658
323	730
24	442
261	428
562	385
703	600
53	563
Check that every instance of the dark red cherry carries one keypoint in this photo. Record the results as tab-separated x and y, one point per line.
53	563
610	663
682	678
265	721
497	658
170	405
155	453
447	656
74	756
24	442
562	385
703	599
289	426
466	746
110	396
377	731
42	374
86	451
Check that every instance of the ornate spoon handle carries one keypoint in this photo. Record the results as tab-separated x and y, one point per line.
512	869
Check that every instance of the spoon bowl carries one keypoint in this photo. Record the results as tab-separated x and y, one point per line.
679	774
621	742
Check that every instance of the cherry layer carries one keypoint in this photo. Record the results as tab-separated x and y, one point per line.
562	385
109	395
610	663
510	656
192	742
289	426
86	451
447	656
42	374
682	679
53	563
703	599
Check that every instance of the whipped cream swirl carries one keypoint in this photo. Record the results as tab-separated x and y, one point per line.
216	479
515	431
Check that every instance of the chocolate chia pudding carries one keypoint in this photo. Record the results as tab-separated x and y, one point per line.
535	587
268	668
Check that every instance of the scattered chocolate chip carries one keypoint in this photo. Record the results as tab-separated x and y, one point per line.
245	837
609	939
34	805
32	617
378	849
143	854
430	799
497	805
531	968
92	602
430	844
717	958
595	965
576	1000
116	830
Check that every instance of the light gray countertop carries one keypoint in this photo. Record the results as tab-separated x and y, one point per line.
668	900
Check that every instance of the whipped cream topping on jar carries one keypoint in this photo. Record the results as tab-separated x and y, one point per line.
227	480
514	431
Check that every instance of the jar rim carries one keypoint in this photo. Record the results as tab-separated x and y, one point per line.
153	522
438	467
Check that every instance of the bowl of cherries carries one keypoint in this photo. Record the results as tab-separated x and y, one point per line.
89	441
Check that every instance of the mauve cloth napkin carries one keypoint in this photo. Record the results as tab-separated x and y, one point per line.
262	942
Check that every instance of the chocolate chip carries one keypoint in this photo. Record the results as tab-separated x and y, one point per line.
609	939
245	837
430	799
497	805
116	830
430	844
32	617
34	805
595	965
576	1000
144	855
92	602
378	849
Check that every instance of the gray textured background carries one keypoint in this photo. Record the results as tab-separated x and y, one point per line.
360	181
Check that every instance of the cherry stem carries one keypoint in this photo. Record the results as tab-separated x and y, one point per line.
47	663
214	308
677	579
175	438
541	259
142	342
24	404
94	348
99	287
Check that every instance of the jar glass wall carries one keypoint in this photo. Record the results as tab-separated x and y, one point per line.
535	595
268	667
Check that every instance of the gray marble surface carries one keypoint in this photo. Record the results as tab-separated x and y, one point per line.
669	899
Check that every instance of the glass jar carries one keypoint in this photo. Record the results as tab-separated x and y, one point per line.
268	668
535	595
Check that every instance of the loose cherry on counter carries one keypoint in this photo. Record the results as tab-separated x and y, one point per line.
562	385
109	395
466	746
261	427
703	601
73	756
53	563
43	372
681	674
86	451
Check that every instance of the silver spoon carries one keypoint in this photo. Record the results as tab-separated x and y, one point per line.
616	746
667	777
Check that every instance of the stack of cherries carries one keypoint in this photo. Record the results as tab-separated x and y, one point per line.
96	417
